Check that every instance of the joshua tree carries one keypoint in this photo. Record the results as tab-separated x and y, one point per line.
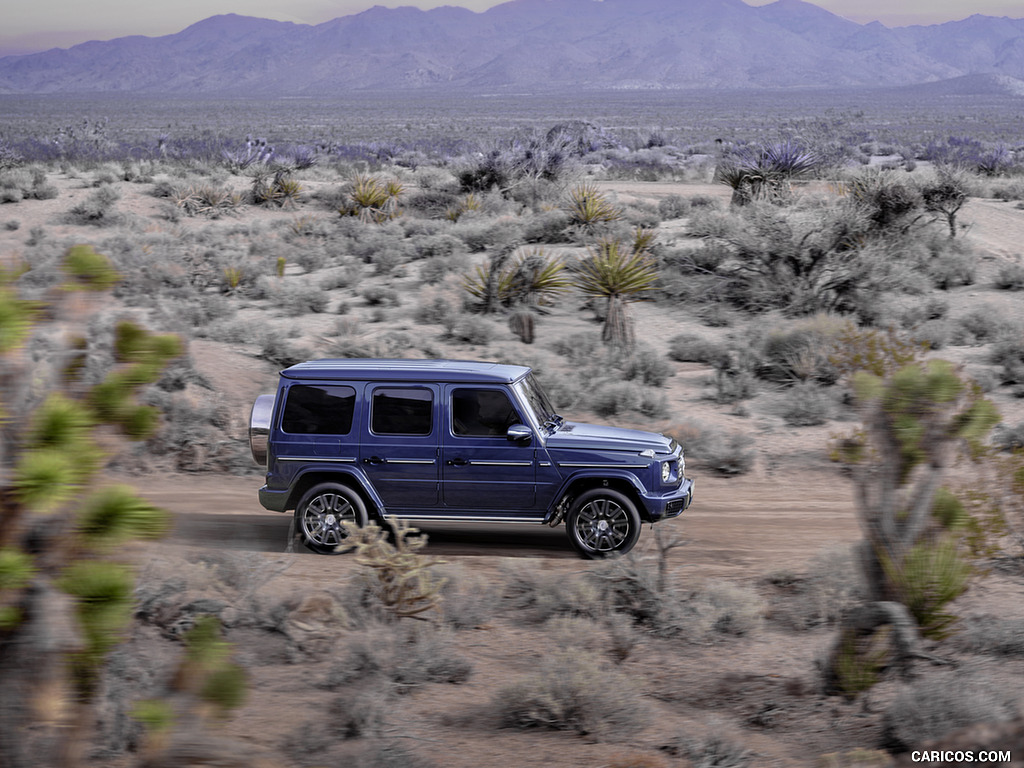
914	421
62	604
620	277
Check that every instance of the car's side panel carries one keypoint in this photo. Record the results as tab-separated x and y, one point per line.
403	468
481	468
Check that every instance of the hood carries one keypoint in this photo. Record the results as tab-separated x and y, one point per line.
573	434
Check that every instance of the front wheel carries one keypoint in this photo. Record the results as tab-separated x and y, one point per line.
321	512
602	522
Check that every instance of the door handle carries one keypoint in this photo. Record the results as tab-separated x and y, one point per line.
457	462
375	460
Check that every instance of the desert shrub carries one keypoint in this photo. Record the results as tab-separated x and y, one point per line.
44	192
435	270
992	635
615	398
472	330
539	595
1008	354
832	584
379	295
938	704
12	225
435	308
952	268
282	352
482	235
673	207
1010	277
577	349
646	365
435	203
97	209
729	608
712	749
691	348
731	453
704	202
547	227
431	246
1008	438
979	326
935	333
806	404
467	601
572	691
802	352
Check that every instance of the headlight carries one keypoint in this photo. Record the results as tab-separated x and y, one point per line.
666	471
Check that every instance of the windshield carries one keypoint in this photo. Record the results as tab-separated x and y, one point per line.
538	401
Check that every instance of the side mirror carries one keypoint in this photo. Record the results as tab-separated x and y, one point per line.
520	433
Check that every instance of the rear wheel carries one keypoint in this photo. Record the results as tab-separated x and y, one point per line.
321	512
602	522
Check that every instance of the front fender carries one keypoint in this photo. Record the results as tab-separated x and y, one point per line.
592	477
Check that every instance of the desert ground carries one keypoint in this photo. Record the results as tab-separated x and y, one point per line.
774	537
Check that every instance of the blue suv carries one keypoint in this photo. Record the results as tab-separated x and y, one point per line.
448	440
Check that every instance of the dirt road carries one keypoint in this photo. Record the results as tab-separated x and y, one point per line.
737	527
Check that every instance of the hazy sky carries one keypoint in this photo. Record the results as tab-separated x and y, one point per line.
35	25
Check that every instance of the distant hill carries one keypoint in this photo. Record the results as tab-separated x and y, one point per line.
535	45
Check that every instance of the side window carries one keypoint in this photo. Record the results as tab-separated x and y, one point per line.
482	413
319	410
402	411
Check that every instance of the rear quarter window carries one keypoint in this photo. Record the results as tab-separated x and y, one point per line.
319	410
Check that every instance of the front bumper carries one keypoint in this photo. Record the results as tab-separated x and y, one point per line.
671	504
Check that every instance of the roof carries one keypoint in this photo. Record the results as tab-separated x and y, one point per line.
442	371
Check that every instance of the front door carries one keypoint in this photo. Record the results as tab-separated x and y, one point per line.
400	445
482	470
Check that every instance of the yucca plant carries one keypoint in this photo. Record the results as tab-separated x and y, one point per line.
532	279
763	172
277	188
588	206
619	277
372	199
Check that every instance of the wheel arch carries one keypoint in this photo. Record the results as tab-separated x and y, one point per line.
352	480
624	483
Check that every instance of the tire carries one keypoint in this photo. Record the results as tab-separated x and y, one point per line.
319	515
601	523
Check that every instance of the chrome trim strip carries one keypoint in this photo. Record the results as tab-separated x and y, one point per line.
330	460
605	466
408	461
502	463
465	518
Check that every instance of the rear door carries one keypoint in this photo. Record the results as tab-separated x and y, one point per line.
400	445
482	470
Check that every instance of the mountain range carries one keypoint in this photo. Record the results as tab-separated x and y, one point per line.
534	45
